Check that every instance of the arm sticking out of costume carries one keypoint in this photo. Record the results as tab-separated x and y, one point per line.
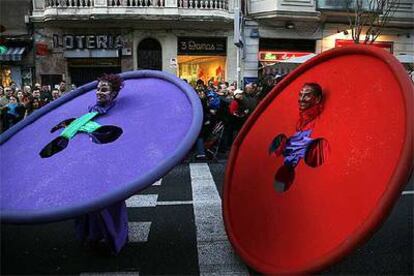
317	153
62	124
278	144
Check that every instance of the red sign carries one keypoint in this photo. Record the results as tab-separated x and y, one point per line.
41	49
386	45
280	55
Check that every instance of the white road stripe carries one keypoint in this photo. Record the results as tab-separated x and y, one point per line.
215	254
158	183
138	231
142	201
171	203
408	193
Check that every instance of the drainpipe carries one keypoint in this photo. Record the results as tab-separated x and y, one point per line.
238	38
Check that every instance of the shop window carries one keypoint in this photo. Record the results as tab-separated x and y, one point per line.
6	76
206	68
149	54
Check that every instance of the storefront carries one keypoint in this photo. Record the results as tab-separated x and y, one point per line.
273	51
202	58
15	64
81	57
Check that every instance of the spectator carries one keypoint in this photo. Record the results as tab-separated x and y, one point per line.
19	96
35	105
13	86
55	94
250	97
4	97
45	95
36	94
27	90
63	89
12	113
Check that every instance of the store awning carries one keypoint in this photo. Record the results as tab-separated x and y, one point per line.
405	58
300	59
13	54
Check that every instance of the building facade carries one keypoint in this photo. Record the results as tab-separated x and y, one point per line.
77	40
82	39
16	51
281	29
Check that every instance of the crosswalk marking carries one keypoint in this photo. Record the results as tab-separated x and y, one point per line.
408	193
158	183
215	254
138	231
137	201
171	203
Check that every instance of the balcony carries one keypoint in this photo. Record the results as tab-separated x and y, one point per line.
341	6
334	10
132	10
302	10
189	4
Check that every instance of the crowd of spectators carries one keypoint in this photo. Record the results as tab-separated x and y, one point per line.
226	107
17	103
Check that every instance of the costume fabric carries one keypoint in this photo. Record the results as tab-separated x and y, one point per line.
110	224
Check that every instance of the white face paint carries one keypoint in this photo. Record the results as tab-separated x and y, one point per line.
104	92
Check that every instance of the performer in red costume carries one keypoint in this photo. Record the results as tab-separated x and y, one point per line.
301	145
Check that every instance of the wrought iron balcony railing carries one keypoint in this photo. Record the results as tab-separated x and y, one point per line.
186	4
69	3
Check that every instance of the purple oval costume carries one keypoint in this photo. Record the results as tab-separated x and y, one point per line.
160	117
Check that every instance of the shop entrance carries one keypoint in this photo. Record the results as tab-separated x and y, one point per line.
83	75
149	54
85	70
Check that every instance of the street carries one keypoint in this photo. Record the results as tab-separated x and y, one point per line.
176	228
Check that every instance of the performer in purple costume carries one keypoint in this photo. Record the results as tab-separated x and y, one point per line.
300	145
107	227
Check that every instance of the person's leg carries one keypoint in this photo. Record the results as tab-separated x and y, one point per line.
201	153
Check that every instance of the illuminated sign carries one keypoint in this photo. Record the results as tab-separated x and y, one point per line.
274	56
386	45
202	46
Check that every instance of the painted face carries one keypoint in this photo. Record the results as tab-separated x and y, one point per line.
307	98
104	92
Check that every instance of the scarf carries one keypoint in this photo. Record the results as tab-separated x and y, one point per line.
307	117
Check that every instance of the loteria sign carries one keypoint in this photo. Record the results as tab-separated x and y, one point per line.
274	56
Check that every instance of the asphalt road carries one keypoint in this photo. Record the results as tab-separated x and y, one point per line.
176	228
